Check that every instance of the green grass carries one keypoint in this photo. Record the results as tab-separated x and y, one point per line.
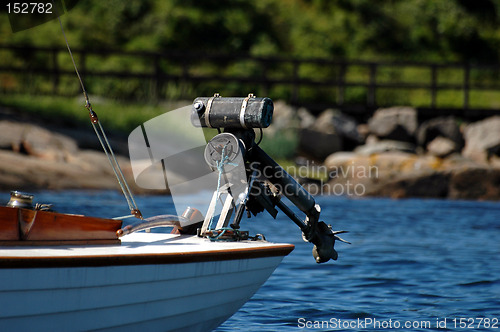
125	117
281	146
117	116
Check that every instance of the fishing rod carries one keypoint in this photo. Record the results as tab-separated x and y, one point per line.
103	139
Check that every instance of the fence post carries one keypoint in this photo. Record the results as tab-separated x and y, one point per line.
466	85
433	86
266	87
55	71
341	84
371	100
158	82
295	79
185	81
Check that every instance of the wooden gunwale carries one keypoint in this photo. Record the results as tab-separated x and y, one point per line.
20	226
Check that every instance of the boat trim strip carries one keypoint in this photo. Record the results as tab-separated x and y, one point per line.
145	259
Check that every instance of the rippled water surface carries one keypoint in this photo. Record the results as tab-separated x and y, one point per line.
410	262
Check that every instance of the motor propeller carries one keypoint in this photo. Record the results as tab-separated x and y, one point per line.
323	238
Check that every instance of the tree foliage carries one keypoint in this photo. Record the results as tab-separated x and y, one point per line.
422	30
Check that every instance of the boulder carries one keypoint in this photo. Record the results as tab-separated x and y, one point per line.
384	146
395	123
331	132
43	143
364	131
391	174
95	161
475	183
36	141
482	139
387	164
11	134
399	175
318	145
306	119
284	118
371	139
349	174
333	121
442	147
339	159
21	172
446	127
357	175
418	184
495	162
393	163
457	161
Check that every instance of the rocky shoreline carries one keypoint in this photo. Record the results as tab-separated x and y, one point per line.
38	154
391	155
395	155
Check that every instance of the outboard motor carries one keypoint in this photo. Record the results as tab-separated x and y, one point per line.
234	154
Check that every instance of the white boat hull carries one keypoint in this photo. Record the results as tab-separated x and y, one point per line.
191	295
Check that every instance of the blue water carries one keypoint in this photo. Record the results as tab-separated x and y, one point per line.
412	261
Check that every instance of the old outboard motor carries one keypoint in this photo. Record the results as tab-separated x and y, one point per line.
266	181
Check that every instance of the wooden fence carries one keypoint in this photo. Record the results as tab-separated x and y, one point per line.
316	83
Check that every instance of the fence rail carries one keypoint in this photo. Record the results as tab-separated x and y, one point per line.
336	83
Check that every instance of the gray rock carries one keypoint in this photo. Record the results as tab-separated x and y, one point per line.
35	140
482	139
446	127
339	159
475	183
21	172
11	134
442	147
371	139
398	175
495	162
395	123
284	118
319	145
42	142
418	184
383	146
335	122
364	131
307	120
